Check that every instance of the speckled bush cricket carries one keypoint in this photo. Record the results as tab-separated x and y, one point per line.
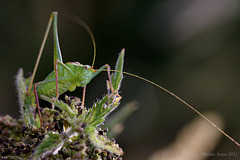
66	76
73	74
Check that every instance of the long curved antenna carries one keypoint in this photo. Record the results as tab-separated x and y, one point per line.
40	52
86	27
181	100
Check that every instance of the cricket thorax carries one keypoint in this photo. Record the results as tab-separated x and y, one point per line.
82	73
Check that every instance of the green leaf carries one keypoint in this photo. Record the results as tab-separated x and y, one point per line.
72	113
50	144
116	78
96	115
104	143
26	102
21	89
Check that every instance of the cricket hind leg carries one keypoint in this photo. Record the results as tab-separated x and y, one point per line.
40	52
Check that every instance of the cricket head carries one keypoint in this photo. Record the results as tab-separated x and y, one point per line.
82	73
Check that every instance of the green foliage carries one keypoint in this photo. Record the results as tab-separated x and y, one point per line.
26	102
117	77
70	129
89	118
102	142
101	109
68	110
50	144
21	88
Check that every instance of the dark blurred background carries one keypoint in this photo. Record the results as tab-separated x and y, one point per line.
191	47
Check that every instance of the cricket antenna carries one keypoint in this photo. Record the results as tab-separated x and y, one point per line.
181	100
79	21
184	102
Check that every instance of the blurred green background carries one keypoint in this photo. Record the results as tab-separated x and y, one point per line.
191	47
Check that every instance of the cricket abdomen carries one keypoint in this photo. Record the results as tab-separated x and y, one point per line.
80	76
47	87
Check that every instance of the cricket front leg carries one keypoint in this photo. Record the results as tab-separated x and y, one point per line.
107	68
109	78
37	102
83	95
40	52
114	92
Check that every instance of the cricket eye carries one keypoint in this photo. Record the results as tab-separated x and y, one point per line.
82	83
87	67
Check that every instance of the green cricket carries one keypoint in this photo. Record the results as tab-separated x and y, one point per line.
68	76
65	76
